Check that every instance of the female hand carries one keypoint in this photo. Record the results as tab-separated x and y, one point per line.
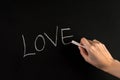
95	53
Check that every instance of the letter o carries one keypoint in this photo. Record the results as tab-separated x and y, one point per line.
39	36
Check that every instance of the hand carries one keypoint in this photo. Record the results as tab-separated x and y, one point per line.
95	53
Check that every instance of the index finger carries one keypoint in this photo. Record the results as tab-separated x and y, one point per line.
85	42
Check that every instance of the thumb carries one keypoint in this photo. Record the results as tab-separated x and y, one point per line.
83	52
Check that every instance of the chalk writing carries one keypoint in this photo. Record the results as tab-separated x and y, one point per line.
54	43
42	36
25	48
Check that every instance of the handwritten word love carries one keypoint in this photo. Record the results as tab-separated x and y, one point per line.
43	38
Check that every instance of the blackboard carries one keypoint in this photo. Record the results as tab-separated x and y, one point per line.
36	38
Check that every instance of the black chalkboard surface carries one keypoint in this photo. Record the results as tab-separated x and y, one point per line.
36	38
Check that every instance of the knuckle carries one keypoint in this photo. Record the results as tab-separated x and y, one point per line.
92	47
97	44
102	44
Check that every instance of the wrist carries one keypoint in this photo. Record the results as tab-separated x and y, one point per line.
110	66
113	68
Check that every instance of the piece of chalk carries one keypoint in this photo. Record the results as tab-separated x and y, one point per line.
77	44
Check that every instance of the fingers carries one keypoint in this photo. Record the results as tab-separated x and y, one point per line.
90	44
96	41
95	53
85	42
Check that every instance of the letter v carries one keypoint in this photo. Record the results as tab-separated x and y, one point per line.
54	43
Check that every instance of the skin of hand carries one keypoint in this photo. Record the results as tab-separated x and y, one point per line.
97	55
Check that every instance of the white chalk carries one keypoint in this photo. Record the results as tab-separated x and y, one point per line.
77	44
